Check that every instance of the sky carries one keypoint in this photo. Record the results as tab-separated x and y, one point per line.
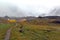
33	7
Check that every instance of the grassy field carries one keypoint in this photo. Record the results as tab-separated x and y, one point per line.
32	30
36	32
3	29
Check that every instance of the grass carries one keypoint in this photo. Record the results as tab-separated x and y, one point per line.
31	31
3	29
36	32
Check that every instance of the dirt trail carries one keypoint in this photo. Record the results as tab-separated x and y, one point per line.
8	33
7	36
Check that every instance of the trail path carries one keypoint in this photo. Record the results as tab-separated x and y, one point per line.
7	36
8	33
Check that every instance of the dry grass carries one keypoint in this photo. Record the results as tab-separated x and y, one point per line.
36	32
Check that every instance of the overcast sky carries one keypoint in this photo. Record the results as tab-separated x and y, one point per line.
35	7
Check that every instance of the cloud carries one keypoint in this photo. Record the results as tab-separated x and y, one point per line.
30	7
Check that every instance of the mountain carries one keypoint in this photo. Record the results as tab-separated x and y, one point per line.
52	17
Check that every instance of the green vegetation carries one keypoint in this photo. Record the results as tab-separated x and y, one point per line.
36	32
40	29
3	29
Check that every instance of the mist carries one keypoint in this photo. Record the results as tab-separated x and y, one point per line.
13	8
